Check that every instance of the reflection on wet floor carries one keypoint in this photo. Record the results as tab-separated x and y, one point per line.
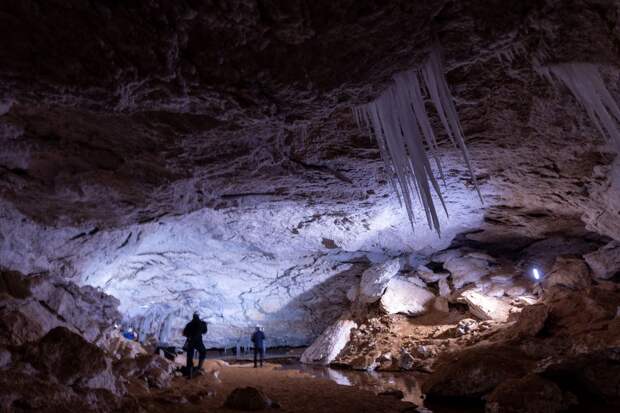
379	382
372	381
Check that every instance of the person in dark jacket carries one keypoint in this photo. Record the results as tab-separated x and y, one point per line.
258	338
194	331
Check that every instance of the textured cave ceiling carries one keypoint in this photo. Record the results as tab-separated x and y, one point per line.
203	153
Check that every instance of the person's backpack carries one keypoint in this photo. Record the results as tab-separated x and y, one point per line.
203	327
186	330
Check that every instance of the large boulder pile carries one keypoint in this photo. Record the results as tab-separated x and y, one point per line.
559	352
59	372
35	305
60	339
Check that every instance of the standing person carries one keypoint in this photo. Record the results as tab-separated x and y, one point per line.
258	338
194	331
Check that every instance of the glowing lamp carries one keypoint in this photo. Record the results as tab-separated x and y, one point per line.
536	274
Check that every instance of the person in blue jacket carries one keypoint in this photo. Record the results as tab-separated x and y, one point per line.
258	338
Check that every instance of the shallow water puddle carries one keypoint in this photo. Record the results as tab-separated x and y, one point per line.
378	382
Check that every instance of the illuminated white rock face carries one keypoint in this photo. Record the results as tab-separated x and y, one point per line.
269	265
262	201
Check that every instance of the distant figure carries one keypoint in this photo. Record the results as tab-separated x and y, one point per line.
258	338
194	331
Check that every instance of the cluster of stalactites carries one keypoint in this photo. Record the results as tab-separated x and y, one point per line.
586	84
399	121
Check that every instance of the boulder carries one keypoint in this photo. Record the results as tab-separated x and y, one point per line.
406	361
446	255
485	307
119	347
429	275
73	361
594	375
153	370
88	310
248	398
31	307
444	287
405	297
605	262
23	390
568	272
475	371
530	394
466	270
466	326
441	304
531	321
24	321
375	280
327	346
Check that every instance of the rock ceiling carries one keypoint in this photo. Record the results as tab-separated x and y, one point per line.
203	154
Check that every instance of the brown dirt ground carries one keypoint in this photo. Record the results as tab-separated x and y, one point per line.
293	390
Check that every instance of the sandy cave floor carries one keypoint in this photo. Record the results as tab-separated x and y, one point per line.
295	391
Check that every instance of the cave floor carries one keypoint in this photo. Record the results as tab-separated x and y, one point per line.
294	390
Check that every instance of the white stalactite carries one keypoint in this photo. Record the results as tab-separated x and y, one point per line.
586	84
400	123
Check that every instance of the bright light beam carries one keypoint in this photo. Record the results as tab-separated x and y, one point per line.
536	274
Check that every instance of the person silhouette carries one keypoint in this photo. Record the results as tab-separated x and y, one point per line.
258	338
193	331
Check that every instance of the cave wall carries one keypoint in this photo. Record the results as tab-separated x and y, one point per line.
203	155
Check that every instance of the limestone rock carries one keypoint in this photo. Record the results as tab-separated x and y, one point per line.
327	346
568	272
25	321
375	280
353	292
595	374
26	391
406	361
39	304
485	307
441	304
444	288
119	347
153	370
73	361
447	255
466	270
531	320
466	326
247	398
404	297
530	394
605	262
429	275
87	309
475	371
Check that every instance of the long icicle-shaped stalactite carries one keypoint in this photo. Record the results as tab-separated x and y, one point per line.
400	123
586	84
